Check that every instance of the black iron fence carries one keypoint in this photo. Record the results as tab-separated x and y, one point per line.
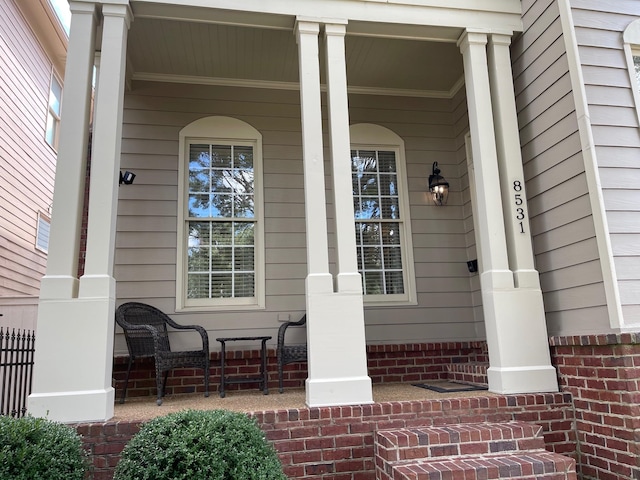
16	366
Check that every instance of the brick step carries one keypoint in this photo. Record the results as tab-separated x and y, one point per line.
522	466
474	373
462	439
475	451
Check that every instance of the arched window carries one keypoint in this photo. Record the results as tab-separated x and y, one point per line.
381	206
220	219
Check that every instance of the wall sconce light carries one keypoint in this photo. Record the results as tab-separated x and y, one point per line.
472	265
127	177
438	186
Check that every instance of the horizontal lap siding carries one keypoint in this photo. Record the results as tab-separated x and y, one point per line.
27	163
616	133
147	212
560	214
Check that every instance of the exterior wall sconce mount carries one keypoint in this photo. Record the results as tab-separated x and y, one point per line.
438	186
127	178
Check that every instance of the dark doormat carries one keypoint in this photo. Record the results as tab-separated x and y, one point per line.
445	386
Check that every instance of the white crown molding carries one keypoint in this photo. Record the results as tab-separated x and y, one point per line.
235	82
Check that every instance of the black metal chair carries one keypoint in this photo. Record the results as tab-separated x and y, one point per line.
145	329
289	353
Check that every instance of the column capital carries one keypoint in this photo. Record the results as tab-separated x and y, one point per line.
118	10
335	29
306	26
80	7
500	39
469	37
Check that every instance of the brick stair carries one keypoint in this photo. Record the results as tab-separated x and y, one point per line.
472	370
479	451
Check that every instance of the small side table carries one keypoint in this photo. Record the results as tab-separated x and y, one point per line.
262	379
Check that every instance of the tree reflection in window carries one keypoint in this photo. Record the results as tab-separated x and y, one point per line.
378	223
221	247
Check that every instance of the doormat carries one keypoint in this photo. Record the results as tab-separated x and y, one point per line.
445	386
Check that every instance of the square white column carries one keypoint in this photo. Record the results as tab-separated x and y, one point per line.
514	317
337	363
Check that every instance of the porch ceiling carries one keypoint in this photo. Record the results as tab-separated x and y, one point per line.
413	62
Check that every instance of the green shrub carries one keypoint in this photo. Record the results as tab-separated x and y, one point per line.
39	449
193	444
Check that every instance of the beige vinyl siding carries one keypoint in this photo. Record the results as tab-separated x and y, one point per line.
27	163
146	231
563	232
616	134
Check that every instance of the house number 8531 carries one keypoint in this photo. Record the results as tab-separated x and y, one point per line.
519	202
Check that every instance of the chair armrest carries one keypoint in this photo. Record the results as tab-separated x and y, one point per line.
198	328
283	329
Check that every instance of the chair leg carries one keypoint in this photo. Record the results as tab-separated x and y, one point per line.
280	387
160	383
126	382
206	378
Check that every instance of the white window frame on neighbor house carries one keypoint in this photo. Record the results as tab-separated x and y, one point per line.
219	131
52	127
371	137
42	232
631	39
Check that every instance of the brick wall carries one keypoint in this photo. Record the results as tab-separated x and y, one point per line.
337	442
602	373
386	363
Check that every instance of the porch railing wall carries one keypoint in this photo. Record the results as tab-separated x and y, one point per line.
16	366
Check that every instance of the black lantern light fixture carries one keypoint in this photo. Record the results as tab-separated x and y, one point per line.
127	177
438	186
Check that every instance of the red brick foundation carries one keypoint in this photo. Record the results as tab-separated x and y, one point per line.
337	442
386	363
602	373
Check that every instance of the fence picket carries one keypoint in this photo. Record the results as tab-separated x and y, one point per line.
16	365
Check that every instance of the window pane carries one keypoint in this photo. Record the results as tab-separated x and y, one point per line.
221	156
393	283
221	286
376	196
221	251
199	206
50	133
55	96
373	283
244	285
636	63
198	285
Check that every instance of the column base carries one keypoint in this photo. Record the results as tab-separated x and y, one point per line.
541	379
69	407
339	391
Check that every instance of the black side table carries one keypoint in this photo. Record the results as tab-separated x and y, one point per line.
261	380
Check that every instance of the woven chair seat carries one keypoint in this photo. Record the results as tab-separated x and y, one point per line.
289	353
147	335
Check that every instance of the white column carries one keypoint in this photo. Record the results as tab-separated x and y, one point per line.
514	199
335	325
60	280
97	280
348	277
514	317
74	358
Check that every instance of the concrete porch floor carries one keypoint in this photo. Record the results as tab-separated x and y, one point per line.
145	408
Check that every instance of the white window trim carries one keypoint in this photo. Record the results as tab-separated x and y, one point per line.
367	136
631	38
42	217
56	115
212	130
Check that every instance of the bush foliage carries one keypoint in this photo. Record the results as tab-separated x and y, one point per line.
39	449
194	444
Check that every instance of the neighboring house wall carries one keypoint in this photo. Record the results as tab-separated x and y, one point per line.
27	162
565	248
146	238
599	27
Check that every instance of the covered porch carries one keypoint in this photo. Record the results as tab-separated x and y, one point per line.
309	95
